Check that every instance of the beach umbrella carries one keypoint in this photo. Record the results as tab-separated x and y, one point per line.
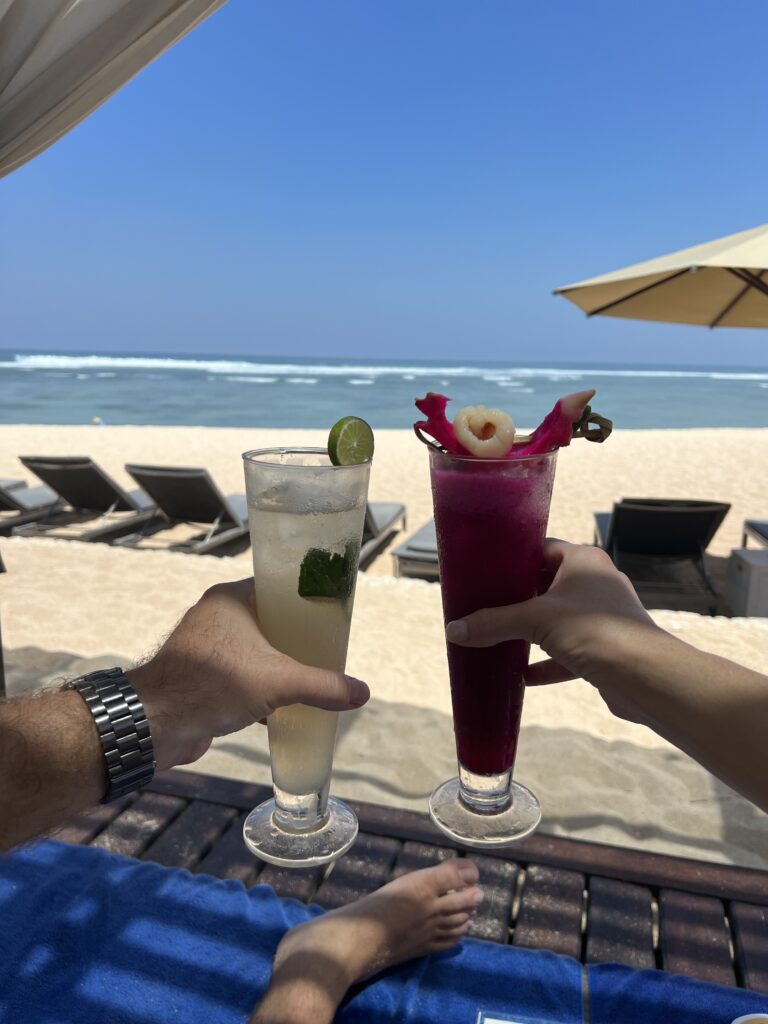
61	59
718	284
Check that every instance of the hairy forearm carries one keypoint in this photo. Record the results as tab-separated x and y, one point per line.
709	707
51	765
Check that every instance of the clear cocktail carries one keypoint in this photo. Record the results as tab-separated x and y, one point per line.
306	521
491	517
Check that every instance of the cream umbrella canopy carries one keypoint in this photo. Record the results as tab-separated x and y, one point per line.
718	284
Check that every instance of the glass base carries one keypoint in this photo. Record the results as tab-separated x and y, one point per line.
333	837
484	829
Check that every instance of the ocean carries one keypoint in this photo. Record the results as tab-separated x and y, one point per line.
242	391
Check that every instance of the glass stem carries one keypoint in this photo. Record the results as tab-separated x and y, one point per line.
485	794
301	812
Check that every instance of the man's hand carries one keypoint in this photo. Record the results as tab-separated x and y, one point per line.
216	674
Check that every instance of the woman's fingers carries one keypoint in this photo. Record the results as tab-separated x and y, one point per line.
492	626
543	672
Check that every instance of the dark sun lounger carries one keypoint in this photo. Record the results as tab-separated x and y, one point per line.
91	506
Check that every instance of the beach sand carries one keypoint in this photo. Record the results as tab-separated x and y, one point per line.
70	607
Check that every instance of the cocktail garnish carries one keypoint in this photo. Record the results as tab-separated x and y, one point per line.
571	417
350	442
556	429
325	574
486	433
436	424
593	427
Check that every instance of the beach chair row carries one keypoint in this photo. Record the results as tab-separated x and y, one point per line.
174	508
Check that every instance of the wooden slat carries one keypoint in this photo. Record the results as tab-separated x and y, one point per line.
493	918
694	938
230	857
197	786
658	870
551	910
132	831
365	867
297	883
654	869
619	924
750	938
184	842
414	856
84	827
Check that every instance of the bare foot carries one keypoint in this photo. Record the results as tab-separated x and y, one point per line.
419	913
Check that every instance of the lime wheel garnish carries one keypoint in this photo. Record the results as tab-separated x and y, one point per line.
350	442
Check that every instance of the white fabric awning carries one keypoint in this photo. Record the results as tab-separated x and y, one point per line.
60	59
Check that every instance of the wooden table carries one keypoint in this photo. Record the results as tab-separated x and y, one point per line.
590	901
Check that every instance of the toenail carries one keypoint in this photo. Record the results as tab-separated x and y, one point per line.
477	897
467	873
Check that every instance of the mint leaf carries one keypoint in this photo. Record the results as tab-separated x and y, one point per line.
325	574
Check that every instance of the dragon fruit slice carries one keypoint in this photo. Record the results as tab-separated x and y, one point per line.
555	430
437	425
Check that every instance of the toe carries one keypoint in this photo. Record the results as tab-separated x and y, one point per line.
454	920
458	932
465	900
453	874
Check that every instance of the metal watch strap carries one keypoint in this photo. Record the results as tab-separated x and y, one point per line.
123	730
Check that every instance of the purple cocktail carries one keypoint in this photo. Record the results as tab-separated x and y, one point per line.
491	517
491	494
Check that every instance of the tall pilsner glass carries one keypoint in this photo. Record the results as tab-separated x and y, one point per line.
306	520
491	518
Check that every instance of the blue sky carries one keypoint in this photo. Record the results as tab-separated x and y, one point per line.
403	178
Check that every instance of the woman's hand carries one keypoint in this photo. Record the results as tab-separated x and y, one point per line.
590	622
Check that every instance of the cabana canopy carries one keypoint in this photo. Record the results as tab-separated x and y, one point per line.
61	59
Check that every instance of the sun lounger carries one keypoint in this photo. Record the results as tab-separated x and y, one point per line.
382	518
660	543
20	505
98	509
756	529
188	500
417	556
189	496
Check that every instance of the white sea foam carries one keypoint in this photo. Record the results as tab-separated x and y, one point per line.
24	361
362	380
250	380
302	380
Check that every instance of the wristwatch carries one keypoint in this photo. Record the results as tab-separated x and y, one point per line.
123	729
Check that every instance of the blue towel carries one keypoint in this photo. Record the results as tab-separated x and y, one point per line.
87	937
652	997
